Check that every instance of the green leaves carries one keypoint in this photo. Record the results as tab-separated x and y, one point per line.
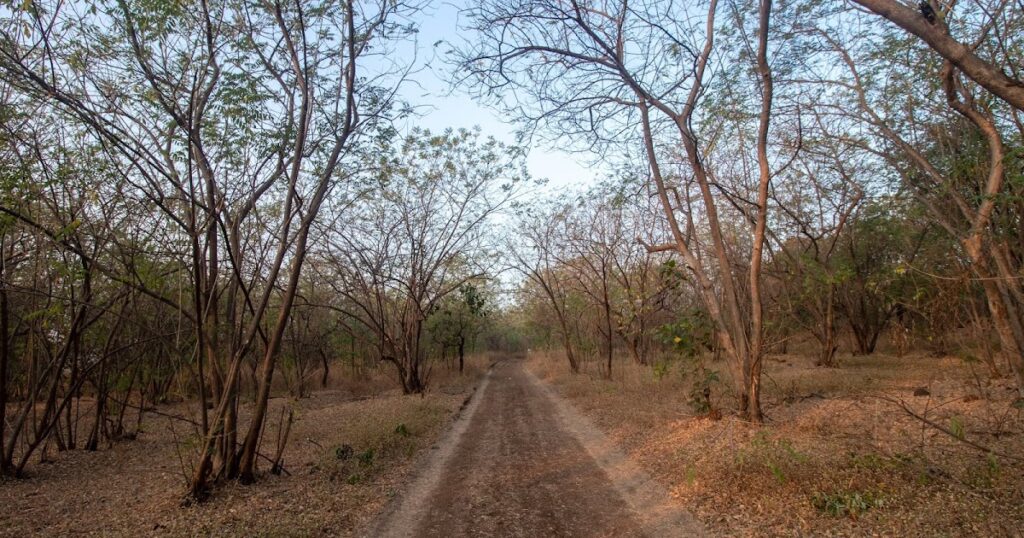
847	503
689	334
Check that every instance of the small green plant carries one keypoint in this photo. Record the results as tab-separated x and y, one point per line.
343	452
956	425
660	370
402	430
366	458
879	462
691	474
869	461
986	474
778	456
846	503
700	392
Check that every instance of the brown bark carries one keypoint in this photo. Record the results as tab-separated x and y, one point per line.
1001	304
962	56
5	353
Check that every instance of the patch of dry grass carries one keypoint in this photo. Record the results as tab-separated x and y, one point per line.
134	488
837	456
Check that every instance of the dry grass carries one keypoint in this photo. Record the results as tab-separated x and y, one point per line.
350	449
837	456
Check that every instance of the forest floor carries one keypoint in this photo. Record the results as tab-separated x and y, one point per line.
838	454
134	488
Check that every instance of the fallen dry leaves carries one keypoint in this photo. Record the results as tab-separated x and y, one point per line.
134	488
837	456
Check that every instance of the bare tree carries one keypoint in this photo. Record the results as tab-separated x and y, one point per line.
233	117
419	235
969	207
591	71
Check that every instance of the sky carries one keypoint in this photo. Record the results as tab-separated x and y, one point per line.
441	107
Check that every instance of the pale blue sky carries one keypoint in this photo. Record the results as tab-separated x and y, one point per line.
441	107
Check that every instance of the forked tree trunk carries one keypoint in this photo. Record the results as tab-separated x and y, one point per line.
574	365
827	354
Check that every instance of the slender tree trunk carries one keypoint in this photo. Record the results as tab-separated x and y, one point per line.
753	409
249	448
326	375
5	352
574	365
1000	317
462	352
634	351
827	354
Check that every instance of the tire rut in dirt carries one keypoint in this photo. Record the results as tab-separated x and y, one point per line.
517	472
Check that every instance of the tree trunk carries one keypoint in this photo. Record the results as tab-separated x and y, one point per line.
326	375
634	351
574	365
1000	316
462	352
247	460
962	56
826	356
5	462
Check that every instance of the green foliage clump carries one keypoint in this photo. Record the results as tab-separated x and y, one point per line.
689	337
777	455
846	503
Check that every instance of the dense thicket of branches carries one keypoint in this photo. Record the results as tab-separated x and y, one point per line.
179	180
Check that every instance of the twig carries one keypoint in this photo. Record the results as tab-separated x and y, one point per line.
197	425
947	431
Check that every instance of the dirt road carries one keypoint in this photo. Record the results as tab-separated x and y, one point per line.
520	462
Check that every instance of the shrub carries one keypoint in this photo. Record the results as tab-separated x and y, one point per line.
846	503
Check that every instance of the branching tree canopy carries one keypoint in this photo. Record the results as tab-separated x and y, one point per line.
420	235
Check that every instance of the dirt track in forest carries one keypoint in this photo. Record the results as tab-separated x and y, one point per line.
519	461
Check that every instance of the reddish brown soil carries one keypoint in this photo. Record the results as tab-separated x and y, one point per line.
511	467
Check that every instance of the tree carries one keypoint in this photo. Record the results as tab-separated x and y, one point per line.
418	236
807	261
536	252
996	25
459	319
587	71
230	121
927	146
